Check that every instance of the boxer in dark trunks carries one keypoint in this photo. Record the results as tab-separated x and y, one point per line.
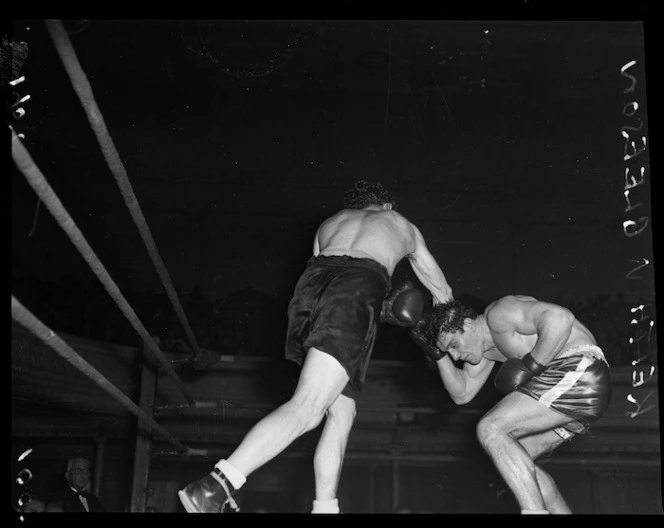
333	317
554	378
334	310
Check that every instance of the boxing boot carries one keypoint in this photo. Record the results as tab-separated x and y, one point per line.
211	494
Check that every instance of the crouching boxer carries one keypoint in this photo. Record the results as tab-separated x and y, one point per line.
554	378
333	317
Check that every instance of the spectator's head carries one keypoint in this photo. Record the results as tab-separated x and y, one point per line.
78	473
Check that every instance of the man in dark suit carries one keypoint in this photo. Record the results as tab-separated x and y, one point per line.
77	497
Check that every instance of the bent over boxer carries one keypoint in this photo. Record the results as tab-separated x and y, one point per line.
340	298
554	378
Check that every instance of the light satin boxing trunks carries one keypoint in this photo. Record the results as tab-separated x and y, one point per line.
577	384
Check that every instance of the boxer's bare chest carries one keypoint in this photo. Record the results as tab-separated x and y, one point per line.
510	345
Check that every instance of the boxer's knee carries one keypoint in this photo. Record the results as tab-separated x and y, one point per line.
488	429
343	412
309	412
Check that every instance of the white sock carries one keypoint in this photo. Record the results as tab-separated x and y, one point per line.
534	512
328	506
234	476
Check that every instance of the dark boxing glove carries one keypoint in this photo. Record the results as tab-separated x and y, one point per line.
404	306
431	351
515	372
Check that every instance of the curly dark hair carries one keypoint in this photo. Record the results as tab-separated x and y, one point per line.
445	318
364	193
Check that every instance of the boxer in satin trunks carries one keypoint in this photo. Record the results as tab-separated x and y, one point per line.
553	381
333	319
336	308
577	384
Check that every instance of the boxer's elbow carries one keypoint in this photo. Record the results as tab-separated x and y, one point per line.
462	398
460	388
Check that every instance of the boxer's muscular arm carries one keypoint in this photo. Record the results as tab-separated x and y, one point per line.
527	316
463	384
427	269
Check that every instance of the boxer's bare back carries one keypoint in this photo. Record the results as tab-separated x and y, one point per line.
386	236
379	234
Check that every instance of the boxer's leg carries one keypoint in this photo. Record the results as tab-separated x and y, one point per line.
553	499
537	445
329	455
321	381
514	417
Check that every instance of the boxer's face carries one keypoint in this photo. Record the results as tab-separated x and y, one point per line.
464	346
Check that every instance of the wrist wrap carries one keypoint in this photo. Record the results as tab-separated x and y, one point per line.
532	365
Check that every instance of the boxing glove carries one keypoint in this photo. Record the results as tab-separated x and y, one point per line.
431	351
515	372
404	306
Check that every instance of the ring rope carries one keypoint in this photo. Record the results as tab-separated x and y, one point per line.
38	182
23	316
83	89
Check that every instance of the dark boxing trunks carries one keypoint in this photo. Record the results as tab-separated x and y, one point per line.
336	308
577	384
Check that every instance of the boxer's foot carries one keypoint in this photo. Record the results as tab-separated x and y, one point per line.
211	494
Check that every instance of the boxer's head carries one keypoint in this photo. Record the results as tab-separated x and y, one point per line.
364	193
445	327
447	318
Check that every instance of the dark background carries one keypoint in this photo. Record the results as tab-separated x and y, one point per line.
500	139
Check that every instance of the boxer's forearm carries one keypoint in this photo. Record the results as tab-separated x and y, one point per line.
432	277
454	380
